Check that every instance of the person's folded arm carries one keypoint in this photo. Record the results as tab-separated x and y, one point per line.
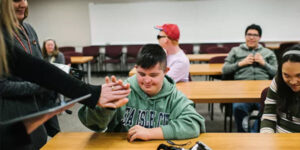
230	64
13	89
271	65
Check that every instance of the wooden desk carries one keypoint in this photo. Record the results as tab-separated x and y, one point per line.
203	57
216	141
206	69
273	47
83	60
198	69
223	91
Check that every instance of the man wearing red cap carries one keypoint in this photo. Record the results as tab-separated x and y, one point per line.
177	61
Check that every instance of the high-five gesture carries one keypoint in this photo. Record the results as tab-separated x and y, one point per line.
113	93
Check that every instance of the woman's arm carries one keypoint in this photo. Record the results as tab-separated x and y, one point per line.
49	76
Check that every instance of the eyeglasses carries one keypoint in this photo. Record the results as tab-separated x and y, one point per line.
160	36
253	35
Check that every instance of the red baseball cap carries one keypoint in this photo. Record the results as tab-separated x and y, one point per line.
171	30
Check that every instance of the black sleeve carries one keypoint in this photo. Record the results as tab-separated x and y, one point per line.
13	88
14	137
46	75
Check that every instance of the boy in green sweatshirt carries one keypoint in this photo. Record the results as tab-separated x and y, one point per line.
156	109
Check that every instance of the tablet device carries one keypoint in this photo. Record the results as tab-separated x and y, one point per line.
46	110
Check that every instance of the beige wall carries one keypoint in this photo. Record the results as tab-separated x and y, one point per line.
63	20
66	21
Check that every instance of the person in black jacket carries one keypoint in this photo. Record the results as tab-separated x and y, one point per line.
33	96
16	63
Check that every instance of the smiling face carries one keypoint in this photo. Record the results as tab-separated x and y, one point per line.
151	80
291	75
252	38
20	7
49	46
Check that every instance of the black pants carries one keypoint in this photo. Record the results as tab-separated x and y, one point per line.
52	126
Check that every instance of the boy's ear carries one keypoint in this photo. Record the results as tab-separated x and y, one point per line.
167	70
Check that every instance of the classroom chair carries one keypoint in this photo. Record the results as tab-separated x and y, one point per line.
215	49
113	55
92	51
187	48
131	55
260	112
66	49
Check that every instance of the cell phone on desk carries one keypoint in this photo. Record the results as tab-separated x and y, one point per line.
200	146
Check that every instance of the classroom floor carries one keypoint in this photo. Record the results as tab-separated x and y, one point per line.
71	123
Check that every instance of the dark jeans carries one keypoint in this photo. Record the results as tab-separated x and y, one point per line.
241	110
52	126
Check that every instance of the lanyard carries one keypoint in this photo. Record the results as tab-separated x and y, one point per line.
20	41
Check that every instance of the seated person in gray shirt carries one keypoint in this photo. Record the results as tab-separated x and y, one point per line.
249	61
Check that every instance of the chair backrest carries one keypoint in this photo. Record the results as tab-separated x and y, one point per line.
263	97
67	49
231	45
217	59
70	53
67	59
90	51
133	50
212	50
204	47
285	45
190	77
263	44
187	48
113	51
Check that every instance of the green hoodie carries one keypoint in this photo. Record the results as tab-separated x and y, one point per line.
169	109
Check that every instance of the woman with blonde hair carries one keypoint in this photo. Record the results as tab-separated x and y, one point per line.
15	88
16	62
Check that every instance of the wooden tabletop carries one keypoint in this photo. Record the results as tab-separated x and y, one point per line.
216	141
273	47
198	69
81	59
203	57
206	69
223	91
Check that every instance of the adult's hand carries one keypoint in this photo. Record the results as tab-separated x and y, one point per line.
259	59
114	93
247	61
33	123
